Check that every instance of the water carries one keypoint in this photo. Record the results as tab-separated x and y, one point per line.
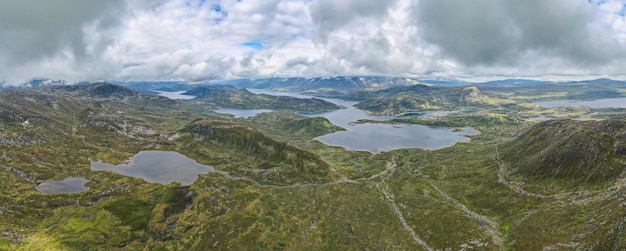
599	103
175	95
158	167
67	185
542	118
378	137
242	113
428	114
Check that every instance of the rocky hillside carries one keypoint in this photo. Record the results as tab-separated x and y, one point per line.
585	151
232	97
289	163
403	99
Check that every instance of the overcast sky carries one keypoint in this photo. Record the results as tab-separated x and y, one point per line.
208	39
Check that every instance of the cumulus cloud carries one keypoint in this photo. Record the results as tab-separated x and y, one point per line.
35	29
496	32
329	15
208	39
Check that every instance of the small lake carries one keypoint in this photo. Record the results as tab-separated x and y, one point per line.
158	167
541	118
175	95
599	103
67	185
379	137
242	113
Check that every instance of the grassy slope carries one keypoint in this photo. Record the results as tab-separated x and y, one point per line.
449	198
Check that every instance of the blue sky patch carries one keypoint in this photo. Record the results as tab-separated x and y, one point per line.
254	45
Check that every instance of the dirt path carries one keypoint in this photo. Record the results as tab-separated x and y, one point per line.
391	198
512	185
490	227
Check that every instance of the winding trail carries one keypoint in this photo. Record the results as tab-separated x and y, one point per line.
389	170
512	185
574	197
391	198
490	227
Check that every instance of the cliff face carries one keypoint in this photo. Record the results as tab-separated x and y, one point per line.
587	151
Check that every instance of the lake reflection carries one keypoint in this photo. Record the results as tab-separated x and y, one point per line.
378	137
158	167
67	185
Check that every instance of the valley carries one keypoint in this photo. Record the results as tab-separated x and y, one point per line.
421	167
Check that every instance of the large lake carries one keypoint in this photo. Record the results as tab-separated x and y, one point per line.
158	167
67	185
378	137
242	113
599	103
175	95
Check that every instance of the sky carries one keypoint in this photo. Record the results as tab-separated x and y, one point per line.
198	40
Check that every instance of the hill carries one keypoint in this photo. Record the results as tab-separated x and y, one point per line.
99	90
397	100
575	151
232	97
285	163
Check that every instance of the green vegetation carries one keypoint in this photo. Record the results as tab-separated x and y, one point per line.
572	151
402	99
228	96
518	185
132	212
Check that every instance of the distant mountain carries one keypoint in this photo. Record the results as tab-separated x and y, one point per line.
445	82
34	83
603	81
232	97
515	83
99	90
322	84
575	151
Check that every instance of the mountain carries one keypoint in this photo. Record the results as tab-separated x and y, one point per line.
444	82
329	85
574	151
514	83
402	99
603	81
100	90
232	97
34	83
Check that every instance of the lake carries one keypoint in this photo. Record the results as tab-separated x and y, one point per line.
175	95
158	167
67	185
379	137
599	103
242	113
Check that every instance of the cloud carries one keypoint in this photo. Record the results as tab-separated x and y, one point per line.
207	39
33	30
329	15
501	32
